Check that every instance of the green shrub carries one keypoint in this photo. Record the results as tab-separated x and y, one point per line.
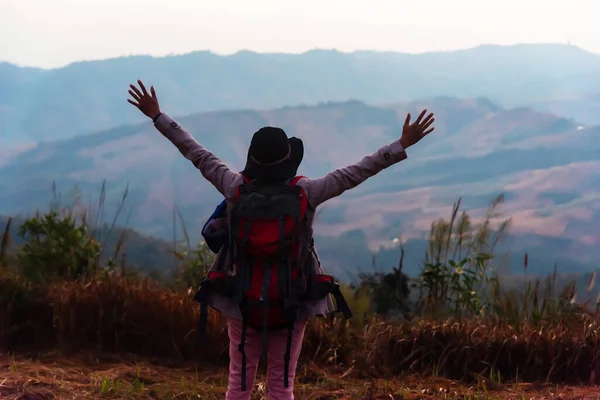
359	302
194	266
457	269
57	246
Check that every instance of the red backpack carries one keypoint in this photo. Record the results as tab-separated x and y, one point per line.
271	272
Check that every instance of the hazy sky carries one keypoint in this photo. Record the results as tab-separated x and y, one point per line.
50	33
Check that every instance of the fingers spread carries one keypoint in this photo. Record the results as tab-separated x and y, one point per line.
135	90
430	116
427	123
143	87
133	102
427	132
418	121
134	95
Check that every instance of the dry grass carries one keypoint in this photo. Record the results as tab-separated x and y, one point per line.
146	332
89	377
121	316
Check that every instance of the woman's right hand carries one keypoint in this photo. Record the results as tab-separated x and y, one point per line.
146	103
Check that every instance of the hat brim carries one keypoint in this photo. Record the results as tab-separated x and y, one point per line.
286	170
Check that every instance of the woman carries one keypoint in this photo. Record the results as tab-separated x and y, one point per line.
272	156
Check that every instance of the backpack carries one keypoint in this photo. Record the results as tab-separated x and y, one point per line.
271	272
215	231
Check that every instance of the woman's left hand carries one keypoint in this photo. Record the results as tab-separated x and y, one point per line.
413	133
146	103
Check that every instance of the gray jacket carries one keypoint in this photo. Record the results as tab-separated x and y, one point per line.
318	191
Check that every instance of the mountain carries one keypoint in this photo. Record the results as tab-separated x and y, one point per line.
585	109
39	105
545	164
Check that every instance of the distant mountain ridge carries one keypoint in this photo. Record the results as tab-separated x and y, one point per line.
545	164
39	105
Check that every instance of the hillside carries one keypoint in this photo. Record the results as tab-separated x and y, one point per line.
546	165
39	105
584	108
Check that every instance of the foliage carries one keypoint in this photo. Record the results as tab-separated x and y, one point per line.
458	279
464	323
125	315
4	244
57	246
193	263
457	265
454	278
359	301
389	292
539	299
194	266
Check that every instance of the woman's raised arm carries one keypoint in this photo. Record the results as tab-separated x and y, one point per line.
211	167
337	182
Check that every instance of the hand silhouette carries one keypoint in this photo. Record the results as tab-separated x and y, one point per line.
146	103
412	133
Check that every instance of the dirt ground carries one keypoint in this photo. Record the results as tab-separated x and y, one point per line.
86	376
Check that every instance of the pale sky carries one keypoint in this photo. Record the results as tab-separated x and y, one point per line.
53	33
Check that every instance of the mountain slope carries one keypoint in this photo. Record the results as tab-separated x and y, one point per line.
546	165
39	105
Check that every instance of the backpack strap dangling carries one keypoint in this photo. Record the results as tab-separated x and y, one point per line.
201	297
241	346
283	273
286	358
342	305
243	281
265	299
292	317
203	322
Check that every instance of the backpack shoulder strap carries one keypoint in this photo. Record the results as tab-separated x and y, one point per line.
245	183
294	181
246	179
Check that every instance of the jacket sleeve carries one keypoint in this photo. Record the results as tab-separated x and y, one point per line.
337	182
211	167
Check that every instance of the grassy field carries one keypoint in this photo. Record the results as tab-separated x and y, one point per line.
88	376
127	338
71	328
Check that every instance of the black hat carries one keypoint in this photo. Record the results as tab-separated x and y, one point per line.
272	155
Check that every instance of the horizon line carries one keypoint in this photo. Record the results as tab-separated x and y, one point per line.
314	49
